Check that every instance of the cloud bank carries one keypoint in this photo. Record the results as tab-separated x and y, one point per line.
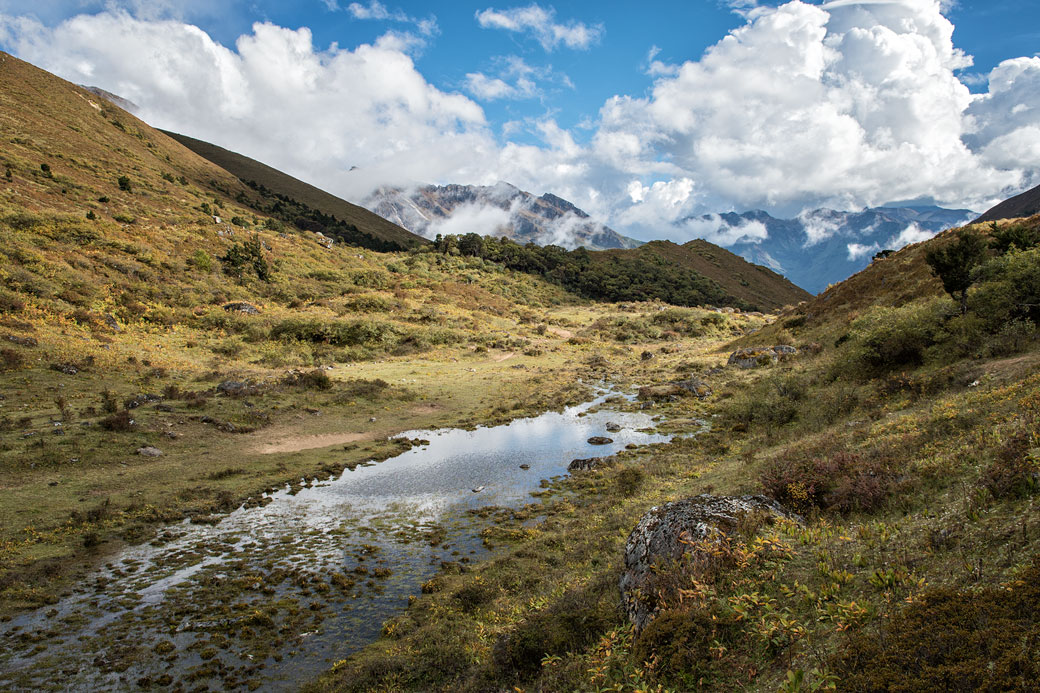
842	105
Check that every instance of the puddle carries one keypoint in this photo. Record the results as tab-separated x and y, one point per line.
272	596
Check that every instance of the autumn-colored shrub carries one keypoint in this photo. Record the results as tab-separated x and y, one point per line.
1013	473
843	481
682	642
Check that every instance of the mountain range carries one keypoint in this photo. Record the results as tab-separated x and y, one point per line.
813	250
825	246
494	210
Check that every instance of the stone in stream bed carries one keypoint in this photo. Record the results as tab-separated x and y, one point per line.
613	427
600	440
525	466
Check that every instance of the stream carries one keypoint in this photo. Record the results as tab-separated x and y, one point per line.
272	596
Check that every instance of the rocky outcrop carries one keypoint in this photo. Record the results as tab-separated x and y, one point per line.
665	534
752	357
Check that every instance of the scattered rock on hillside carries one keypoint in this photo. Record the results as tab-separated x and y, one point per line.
149	451
752	357
111	322
600	440
664	534
242	307
22	341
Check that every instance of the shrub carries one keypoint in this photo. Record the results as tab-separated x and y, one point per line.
570	624
1014	473
629	480
121	421
681	642
125	184
886	339
1021	235
201	261
9	359
843	481
316	379
953	264
952	640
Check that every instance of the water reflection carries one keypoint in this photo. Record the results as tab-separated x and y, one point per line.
371	519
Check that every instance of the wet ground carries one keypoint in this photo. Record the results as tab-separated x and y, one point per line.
271	595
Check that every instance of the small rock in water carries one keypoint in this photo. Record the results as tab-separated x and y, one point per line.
525	466
150	451
613	427
600	440
478	489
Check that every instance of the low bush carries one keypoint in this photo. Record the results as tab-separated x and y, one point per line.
569	624
1014	473
119	422
681	643
843	481
952	640
888	339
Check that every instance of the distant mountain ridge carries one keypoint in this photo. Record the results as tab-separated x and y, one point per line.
500	210
825	246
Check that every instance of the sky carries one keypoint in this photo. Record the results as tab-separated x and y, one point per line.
646	115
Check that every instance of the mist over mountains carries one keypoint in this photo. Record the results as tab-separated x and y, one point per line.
824	246
494	210
817	248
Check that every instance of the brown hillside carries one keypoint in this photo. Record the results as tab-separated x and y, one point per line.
1025	205
754	284
64	145
283	184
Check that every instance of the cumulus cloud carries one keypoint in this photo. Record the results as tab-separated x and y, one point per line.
275	97
540	23
841	105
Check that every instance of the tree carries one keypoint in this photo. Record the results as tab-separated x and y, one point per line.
953	264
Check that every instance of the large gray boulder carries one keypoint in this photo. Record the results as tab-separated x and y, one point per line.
664	534
752	357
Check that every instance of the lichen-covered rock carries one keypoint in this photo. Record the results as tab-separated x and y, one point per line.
752	357
241	307
590	463
665	533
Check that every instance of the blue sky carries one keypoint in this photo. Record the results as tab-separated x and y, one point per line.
643	113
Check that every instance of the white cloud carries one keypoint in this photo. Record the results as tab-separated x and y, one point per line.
843	105
378	11
911	234
277	98
859	250
487	220
541	24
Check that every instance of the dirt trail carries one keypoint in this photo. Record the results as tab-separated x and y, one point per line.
503	357
296	443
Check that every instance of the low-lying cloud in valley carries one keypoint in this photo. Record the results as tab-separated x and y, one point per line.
841	105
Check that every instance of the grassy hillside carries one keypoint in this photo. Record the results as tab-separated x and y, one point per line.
905	434
659	270
254	357
276	185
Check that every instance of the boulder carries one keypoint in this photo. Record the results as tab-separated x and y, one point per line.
242	307
613	427
752	357
600	440
664	535
149	451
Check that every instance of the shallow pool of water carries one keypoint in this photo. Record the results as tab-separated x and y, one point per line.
272	595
